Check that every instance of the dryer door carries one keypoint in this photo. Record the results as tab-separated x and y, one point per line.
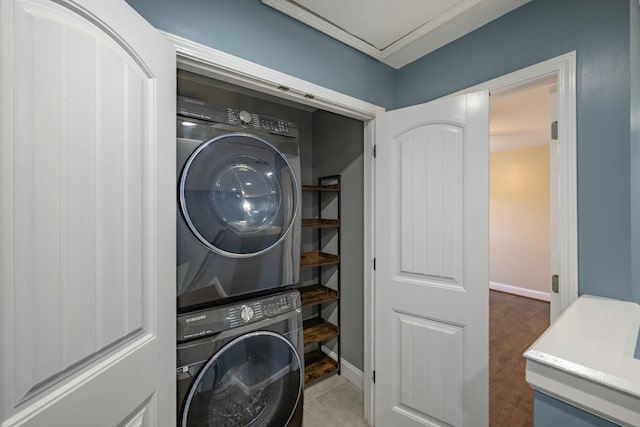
238	195
255	380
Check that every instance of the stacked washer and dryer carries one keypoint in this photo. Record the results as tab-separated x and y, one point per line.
239	327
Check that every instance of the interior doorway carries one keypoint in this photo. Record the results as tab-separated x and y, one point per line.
520	190
521	209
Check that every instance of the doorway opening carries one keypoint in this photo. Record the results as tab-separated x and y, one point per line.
331	151
522	243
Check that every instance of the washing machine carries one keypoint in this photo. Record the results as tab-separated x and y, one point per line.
242	364
238	220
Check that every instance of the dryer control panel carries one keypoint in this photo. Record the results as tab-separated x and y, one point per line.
203	110
211	321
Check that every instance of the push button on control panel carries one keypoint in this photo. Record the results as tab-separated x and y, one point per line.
277	306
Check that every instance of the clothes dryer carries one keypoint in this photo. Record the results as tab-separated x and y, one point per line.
238	221
242	364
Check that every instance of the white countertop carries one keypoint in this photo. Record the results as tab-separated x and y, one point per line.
586	358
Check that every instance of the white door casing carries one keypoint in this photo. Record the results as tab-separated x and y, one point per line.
555	306
431	332
562	68
87	216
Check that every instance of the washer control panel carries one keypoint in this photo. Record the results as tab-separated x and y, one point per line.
214	320
257	310
276	306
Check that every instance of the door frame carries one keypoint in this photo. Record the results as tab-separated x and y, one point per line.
563	68
210	62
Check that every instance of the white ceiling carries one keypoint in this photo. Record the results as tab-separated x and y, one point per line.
395	32
520	118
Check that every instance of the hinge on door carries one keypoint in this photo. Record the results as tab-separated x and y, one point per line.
374	377
374	151
555	283
554	130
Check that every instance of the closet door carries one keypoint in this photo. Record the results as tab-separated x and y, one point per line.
87	216
432	275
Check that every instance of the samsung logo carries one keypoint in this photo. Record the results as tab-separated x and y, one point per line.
196	318
193	101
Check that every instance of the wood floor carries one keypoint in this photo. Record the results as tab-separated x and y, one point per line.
514	324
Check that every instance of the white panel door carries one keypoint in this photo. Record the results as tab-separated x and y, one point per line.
432	307
87	202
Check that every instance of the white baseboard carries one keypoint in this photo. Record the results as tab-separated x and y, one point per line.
347	370
523	292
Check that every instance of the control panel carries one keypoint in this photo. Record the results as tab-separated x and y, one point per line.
256	310
276	306
267	124
207	111
208	322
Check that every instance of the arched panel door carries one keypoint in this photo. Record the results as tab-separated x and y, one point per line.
432	287
255	380
87	265
238	195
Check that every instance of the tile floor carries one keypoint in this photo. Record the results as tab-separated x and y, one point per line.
334	402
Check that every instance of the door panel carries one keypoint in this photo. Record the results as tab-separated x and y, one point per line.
431	340
87	251
430	387
431	165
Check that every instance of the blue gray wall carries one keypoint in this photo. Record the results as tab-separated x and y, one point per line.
250	30
635	148
599	31
550	412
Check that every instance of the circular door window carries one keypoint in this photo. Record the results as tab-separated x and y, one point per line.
238	195
255	380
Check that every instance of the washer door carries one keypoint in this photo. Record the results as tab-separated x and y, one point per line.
255	380
238	195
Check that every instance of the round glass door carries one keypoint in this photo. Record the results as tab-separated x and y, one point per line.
238	195
255	380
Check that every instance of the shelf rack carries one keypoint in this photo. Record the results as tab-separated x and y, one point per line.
317	330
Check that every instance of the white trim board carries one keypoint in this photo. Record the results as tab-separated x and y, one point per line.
369	277
206	61
347	370
516	290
